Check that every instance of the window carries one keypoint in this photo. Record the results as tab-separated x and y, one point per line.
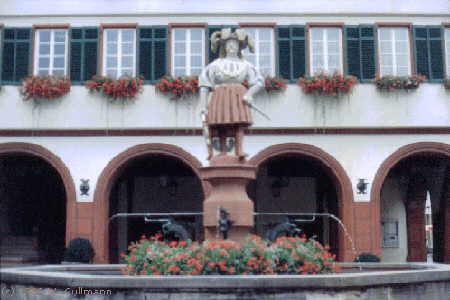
447	50
50	52
188	51
119	52
394	51
263	58
325	49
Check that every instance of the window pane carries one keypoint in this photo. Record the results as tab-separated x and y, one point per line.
316	34
264	34
180	48
402	71
127	72
127	61
333	62
44	62
44	49
44	36
386	47
401	47
264	61
402	60
179	72
111	35
384	34
387	70
180	61
58	62
180	34
127	48
43	71
333	34
58	72
196	71
196	34
111	62
333	47
401	33
111	49
317	48
196	61
60	36
196	48
386	59
264	47
60	49
128	35
111	73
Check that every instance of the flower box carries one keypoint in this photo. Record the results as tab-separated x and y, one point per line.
326	85
47	87
178	87
391	83
123	88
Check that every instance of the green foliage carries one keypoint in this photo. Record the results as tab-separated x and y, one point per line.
79	250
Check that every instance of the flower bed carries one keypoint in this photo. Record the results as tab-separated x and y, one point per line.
44	87
123	88
326	85
288	255
178	87
392	83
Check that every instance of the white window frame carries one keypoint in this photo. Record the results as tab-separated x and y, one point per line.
52	54
394	54
447	50
119	69
325	51
188	66
257	40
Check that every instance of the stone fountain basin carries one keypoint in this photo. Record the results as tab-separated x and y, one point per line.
376	281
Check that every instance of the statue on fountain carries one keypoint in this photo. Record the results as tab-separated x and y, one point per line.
226	100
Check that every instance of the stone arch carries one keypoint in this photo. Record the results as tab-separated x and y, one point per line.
338	175
110	174
401	153
35	150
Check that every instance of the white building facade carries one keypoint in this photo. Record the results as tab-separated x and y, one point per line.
320	147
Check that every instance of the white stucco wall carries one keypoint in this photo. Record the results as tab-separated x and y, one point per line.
429	105
359	155
393	208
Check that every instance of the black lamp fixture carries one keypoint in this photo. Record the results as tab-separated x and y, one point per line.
362	186
84	187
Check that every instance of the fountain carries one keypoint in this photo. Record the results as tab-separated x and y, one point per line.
228	203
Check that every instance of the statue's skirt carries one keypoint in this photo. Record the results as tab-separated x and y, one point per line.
227	107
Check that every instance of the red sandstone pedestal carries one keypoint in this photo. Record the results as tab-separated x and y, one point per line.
228	178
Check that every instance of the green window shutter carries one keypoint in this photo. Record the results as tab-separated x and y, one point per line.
160	52
209	31
352	51
368	52
429	52
421	50
16	58
83	53
291	52
436	53
152	52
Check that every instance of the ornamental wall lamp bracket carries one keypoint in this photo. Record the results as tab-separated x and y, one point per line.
362	186
84	187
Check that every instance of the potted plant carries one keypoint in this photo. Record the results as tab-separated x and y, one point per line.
391	83
326	85
124	88
46	87
79	251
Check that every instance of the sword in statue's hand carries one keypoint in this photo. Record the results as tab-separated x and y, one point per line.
252	106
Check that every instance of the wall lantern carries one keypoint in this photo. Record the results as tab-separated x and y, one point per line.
84	187
362	186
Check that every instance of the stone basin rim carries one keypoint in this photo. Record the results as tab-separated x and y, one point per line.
63	276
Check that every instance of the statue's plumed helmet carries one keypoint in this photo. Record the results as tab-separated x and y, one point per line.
219	38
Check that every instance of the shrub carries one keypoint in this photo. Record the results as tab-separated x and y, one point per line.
327	85
367	257
122	88
44	87
79	250
288	255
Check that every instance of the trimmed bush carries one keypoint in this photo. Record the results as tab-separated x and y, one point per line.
367	257
79	250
